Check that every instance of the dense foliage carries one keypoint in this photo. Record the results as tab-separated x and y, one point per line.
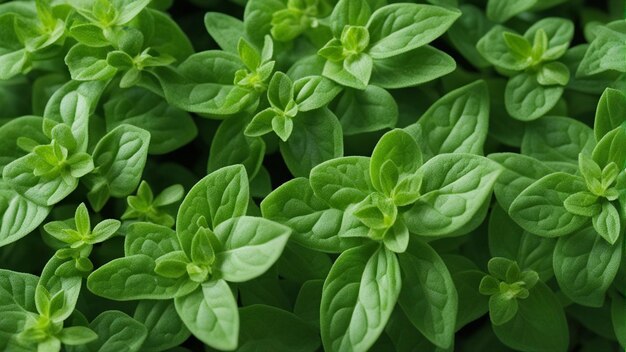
305	175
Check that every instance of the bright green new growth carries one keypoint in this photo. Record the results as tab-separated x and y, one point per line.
505	285
146	207
306	175
80	237
536	77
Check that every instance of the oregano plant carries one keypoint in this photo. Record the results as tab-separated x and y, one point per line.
312	175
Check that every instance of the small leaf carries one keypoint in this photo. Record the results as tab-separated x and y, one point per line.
116	331
526	99
358	297
219	196
539	208
607	222
210	313
249	247
428	298
502	308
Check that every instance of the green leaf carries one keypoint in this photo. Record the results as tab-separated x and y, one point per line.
89	64
74	109
349	13
170	128
502	308
502	10
120	157
81	219
258	18
248	54
172	265
358	297
583	204
221	195
539	325
354	71
605	53
559	31
396	239
17	291
129	10
105	229
428	297
526	99
607	223
314	92
224	29
557	141
454	189
19	216
314	224
367	110
377	212
591	172
12	131
398	147
211	91
77	335
202	251
10	327
288	24
609	149
457	122
133	277
210	313
70	286
250	246
553	73
231	146
282	126
316	138
518	172
116	331
41	190
493	47
420	65
13	64
585	266
287	332
398	28
517	44
72	104
342	181
164	326
150	239
539	208
610	113
307	304
280	91
169	195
